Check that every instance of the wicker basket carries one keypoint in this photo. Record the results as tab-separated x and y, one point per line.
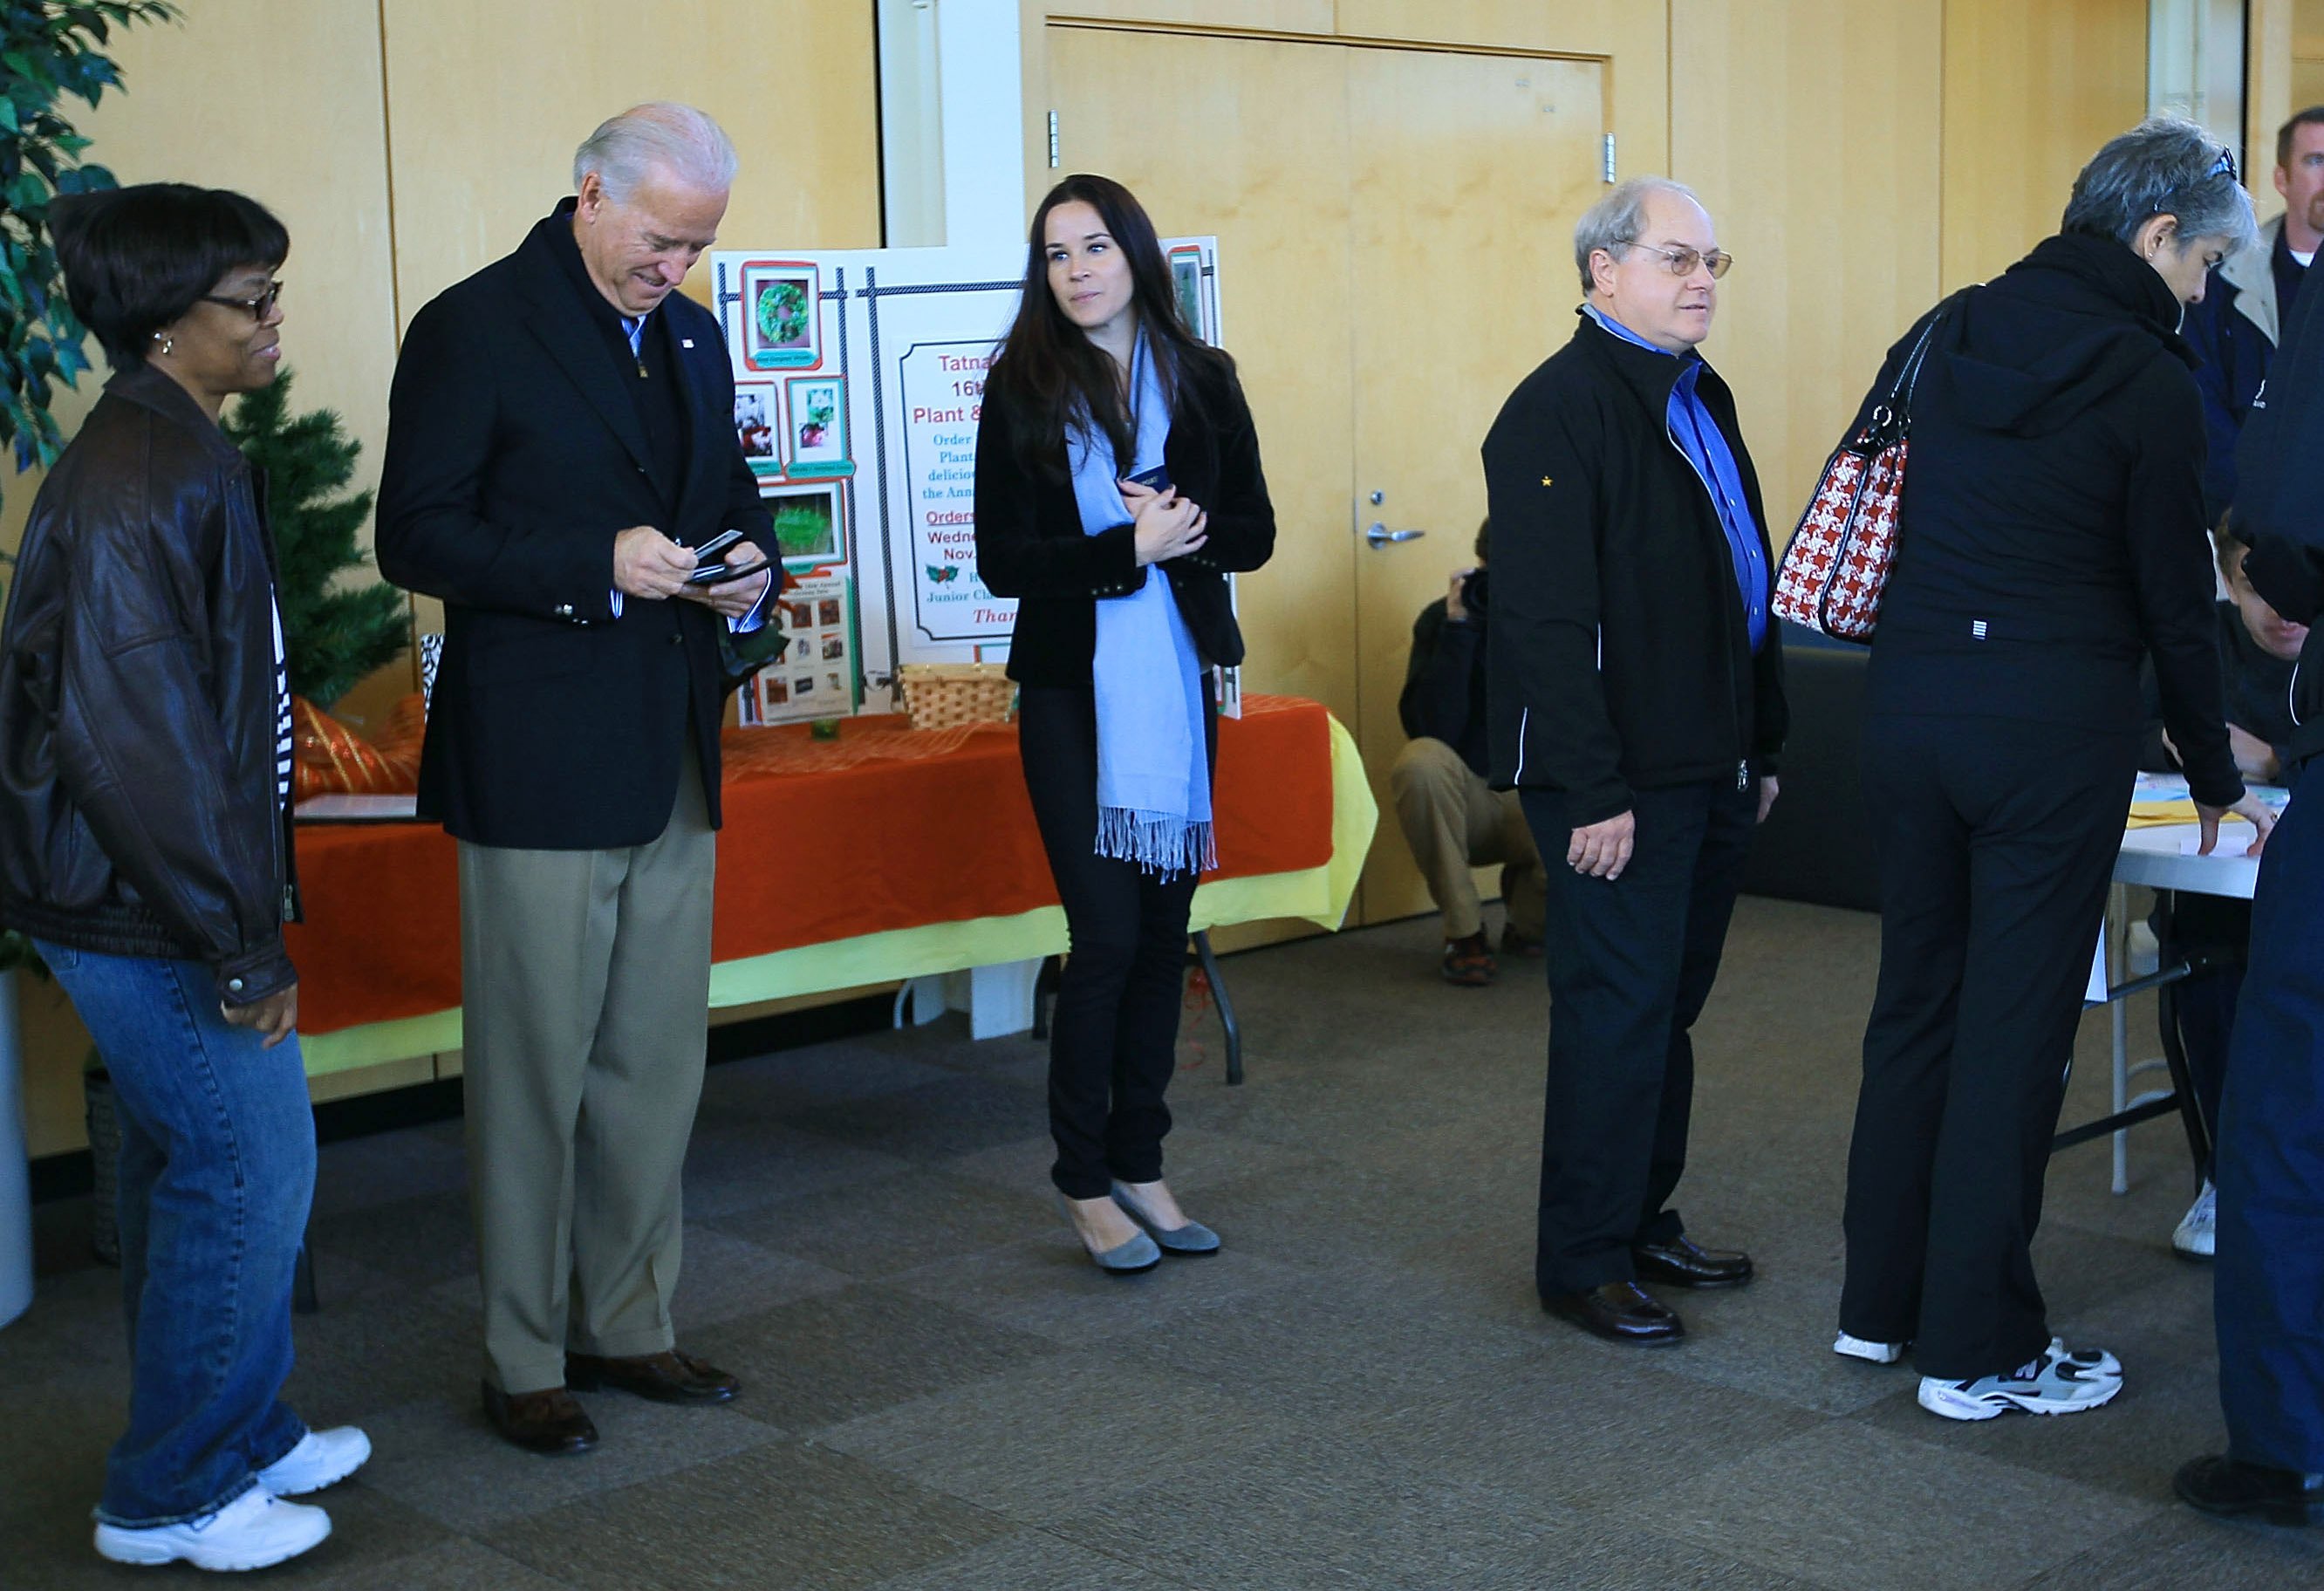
946	695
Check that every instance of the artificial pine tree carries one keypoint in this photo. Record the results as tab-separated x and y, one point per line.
334	634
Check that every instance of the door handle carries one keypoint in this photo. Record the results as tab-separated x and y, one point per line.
1380	535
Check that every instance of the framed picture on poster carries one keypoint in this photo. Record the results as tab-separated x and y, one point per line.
809	522
814	434
782	315
758	422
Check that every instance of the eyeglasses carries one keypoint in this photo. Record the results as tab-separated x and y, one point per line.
1682	260
260	308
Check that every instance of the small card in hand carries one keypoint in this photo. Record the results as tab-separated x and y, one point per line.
1157	479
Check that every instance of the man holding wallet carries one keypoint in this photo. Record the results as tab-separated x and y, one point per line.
561	472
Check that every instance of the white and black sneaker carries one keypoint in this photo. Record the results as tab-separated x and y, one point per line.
1870	1352
2060	1382
2195	1234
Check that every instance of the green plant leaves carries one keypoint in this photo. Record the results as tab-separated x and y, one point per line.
46	50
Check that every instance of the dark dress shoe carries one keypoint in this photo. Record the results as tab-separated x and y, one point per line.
1619	1312
665	1377
1683	1263
2232	1489
545	1422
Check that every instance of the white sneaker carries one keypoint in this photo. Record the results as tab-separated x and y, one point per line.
2058	1383
254	1530
1871	1353
2194	1238
322	1459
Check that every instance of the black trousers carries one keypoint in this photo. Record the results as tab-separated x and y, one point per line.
1630	962
1113	1035
2193	925
1996	840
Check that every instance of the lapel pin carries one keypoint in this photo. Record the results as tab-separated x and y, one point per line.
1544	480
686	342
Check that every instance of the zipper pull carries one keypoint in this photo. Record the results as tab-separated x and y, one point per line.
1742	775
289	905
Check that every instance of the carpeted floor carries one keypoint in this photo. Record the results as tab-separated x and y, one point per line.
1360	1393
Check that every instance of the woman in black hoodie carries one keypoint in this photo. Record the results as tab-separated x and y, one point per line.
2051	532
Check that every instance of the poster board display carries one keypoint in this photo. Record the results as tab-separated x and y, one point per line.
859	382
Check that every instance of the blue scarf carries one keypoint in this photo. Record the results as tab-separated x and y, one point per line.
1153	776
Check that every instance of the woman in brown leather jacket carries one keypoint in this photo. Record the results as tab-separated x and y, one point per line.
145	847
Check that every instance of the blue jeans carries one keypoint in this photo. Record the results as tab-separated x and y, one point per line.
217	1169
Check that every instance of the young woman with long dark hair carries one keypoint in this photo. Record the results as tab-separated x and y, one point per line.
1114	444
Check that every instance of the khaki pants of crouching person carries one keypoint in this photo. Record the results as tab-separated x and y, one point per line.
1454	820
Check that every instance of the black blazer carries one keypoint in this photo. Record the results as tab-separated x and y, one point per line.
1619	653
514	455
1029	543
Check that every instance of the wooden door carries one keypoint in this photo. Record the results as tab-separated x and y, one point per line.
1394	234
1469	172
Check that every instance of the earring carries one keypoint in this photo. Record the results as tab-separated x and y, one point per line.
168	344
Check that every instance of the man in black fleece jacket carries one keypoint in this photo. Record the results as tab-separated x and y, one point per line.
1452	819
1637	707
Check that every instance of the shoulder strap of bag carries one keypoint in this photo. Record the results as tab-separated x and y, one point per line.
1892	417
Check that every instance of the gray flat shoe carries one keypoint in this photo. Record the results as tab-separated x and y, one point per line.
1128	1259
1188	1242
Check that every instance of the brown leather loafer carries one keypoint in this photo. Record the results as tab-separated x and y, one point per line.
545	1422
1683	1263
1619	1312
665	1377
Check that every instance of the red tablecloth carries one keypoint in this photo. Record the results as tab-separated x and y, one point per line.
882	830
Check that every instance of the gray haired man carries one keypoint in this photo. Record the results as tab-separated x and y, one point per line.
558	447
1637	707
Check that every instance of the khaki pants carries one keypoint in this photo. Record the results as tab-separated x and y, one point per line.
587	988
1454	820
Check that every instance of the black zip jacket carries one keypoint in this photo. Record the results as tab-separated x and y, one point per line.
2051	529
140	811
1444	695
1618	655
1029	543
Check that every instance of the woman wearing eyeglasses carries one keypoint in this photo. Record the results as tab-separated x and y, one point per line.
1118	483
2051	532
145	847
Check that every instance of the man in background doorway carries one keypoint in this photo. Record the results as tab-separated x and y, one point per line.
1452	819
2239	324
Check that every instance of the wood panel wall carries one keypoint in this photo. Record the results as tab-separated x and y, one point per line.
1812	135
406	142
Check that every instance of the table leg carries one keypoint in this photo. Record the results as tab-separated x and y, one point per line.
1226	1008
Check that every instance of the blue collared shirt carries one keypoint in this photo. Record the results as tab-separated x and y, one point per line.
1697	435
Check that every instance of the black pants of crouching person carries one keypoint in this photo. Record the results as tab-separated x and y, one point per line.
1113	1035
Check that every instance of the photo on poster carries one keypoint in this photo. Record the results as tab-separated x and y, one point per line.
814	439
802	616
774	692
782	315
804	686
828	613
756	422
1186	286
806	520
835	647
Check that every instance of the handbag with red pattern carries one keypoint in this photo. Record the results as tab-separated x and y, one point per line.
1837	566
